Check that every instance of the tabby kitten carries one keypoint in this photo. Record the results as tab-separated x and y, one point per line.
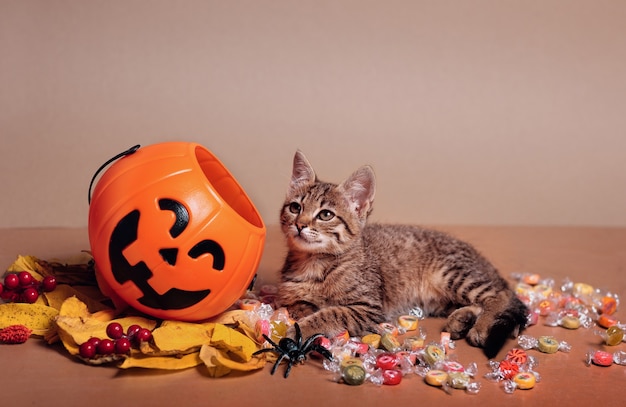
341	272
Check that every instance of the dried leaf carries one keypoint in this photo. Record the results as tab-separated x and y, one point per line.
26	263
220	363
62	292
233	341
76	324
209	355
39	318
180	337
162	362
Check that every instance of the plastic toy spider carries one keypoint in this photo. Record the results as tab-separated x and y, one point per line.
294	350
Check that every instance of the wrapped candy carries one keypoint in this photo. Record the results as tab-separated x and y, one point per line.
516	371
461	381
354	365
613	335
569	319
451	380
545	344
440	369
603	358
522	381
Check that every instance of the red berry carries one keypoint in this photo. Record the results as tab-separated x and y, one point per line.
115	330
87	350
49	283
25	278
11	281
143	335
122	346
106	347
94	341
1	288
132	330
30	295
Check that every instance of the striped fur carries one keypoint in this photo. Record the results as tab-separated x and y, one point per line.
342	273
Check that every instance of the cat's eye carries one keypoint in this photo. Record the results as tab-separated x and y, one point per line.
294	207
325	214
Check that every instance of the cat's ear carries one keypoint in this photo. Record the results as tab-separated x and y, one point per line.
303	174
359	190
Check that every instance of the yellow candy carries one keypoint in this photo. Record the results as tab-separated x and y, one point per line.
408	322
386	327
524	380
458	380
351	362
523	289
414	343
570	322
390	342
548	344
373	340
543	290
436	377
615	335
583	289
433	354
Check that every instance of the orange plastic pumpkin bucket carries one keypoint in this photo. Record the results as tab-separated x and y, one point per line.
173	234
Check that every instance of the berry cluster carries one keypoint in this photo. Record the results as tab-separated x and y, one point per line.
23	287
117	343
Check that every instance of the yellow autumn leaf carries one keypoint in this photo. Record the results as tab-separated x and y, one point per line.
26	263
182	336
39	318
234	317
208	354
76	324
219	362
162	362
62	292
233	341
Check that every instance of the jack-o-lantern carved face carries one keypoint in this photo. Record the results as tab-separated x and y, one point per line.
173	234
125	234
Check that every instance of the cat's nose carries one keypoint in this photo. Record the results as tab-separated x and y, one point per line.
300	227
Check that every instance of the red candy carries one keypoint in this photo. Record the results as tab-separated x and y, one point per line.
392	377
386	361
508	369
602	358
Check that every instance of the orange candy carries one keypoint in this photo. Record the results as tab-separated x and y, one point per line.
531	279
545	307
609	305
606	321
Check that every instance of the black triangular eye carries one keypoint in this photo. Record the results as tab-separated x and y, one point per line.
169	255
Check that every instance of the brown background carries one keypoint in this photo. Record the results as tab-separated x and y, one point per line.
472	112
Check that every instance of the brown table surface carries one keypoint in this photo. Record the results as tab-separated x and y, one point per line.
38	374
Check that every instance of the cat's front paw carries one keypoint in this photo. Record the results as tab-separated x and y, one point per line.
460	322
477	337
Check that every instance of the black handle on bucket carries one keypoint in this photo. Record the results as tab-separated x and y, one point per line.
103	166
